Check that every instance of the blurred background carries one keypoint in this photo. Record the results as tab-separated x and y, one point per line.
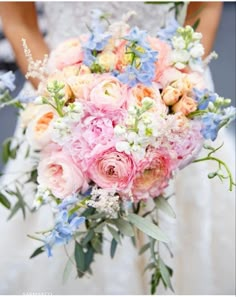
223	69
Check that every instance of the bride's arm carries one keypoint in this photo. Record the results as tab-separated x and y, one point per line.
209	14
19	20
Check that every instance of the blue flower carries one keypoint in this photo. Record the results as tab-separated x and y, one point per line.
65	227
211	125
137	36
169	31
7	81
204	97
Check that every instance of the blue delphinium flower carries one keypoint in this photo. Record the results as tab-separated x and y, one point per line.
7	81
211	125
142	65
65	227
204	97
169	31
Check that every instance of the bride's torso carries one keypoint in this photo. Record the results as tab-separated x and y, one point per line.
69	19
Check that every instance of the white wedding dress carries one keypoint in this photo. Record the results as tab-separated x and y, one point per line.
202	236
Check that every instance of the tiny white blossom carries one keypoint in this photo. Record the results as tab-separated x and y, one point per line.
197	51
123	146
178	42
119	130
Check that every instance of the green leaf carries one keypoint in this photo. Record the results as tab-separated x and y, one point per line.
144	248
89	257
38	251
79	258
14	210
97	244
196	24
87	238
67	270
124	227
150	266
165	274
4	201
6	150
147	227
163	205
114	244
114	233
99	228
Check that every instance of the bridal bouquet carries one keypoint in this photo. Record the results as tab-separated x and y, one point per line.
117	114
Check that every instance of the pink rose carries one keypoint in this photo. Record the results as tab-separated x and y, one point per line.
108	93
58	173
66	54
112	169
185	105
154	173
164	53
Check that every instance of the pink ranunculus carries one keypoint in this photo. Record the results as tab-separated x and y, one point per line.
66	54
164	56
140	91
154	174
58	173
108	93
112	169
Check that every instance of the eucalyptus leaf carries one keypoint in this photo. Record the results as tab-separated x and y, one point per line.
6	150
114	245
87	238
124	227
89	258
14	210
165	274
97	244
99	228
67	270
147	227
196	24
114	233
79	258
163	205
144	248
4	201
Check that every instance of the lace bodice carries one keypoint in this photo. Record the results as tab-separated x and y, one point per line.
148	16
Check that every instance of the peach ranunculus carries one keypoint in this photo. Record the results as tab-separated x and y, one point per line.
68	53
38	131
163	58
112	169
108	93
81	85
58	173
183	84
185	105
140	91
153	176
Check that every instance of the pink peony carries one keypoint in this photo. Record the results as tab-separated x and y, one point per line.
58	173
112	169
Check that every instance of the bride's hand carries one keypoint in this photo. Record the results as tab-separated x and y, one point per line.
209	14
19	21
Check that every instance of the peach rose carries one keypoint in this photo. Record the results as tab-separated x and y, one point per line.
186	105
107	60
59	174
38	131
170	95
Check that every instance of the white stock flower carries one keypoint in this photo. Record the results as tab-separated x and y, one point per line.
119	130
61	130
197	51
178	42
123	146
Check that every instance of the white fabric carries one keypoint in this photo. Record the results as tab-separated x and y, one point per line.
202	236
